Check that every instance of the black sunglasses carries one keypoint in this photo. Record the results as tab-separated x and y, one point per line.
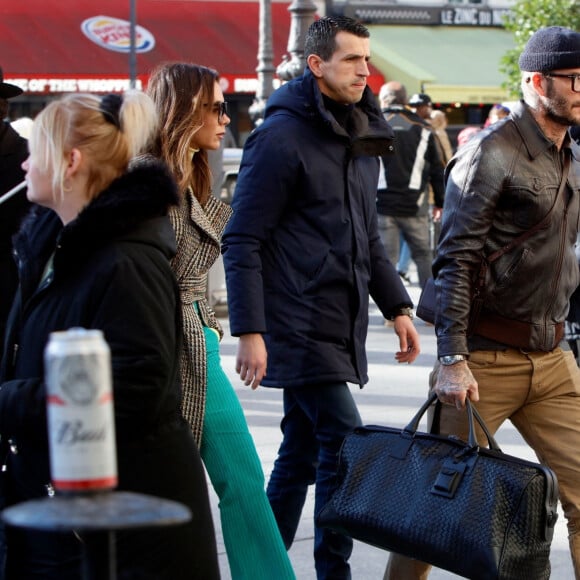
574	80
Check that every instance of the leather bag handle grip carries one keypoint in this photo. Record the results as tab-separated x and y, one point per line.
472	413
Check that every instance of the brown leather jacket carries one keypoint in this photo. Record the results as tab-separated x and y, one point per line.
499	185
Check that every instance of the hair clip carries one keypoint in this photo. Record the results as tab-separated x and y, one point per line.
110	107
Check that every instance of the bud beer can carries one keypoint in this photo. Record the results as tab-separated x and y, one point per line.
81	424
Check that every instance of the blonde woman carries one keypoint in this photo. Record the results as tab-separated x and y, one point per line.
96	254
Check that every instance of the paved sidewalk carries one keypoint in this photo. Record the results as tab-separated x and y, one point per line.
392	396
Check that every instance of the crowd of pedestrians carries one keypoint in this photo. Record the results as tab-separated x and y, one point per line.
118	229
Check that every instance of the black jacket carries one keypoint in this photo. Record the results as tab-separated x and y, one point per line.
415	164
302	250
499	185
111	271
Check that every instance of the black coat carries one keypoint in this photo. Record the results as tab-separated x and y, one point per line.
302	251
414	166
111	271
13	151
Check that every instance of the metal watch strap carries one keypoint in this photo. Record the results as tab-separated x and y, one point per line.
451	359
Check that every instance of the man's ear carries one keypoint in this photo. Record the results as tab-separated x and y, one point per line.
537	80
314	63
75	158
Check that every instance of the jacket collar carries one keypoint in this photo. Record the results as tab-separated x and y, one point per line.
204	217
532	135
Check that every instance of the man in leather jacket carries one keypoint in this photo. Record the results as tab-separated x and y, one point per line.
508	358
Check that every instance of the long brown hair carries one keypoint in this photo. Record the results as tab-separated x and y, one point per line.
179	91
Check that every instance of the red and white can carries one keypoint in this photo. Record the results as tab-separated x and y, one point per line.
81	422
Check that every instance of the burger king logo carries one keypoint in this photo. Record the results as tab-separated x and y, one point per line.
115	34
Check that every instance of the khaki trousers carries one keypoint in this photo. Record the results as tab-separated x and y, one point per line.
539	393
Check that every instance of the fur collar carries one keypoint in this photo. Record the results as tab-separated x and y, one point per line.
143	193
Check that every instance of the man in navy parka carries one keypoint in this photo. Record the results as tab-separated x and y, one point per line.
302	252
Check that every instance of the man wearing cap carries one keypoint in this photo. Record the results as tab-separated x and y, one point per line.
13	151
421	103
403	204
511	362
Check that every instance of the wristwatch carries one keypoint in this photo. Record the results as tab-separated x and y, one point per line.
451	359
403	311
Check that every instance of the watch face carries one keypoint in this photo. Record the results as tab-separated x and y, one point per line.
407	312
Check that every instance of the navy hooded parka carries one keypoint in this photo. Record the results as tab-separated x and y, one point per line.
302	251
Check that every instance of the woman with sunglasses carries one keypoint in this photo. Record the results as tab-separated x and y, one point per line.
193	120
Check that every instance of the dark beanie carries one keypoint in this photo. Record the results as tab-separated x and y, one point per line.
550	49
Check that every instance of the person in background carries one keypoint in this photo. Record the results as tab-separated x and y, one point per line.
94	253
193	120
13	151
403	206
466	134
404	261
422	105
512	362
438	123
496	113
302	252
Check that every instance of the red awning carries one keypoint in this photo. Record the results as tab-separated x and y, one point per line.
54	46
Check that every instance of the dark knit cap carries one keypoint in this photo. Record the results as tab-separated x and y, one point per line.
551	48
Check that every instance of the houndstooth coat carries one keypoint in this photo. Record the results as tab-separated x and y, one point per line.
198	231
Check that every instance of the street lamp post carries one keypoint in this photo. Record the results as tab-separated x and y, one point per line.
265	68
302	14
132	46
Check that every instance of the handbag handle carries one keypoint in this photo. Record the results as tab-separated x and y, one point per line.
472	412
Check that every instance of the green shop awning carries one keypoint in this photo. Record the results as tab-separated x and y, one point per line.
450	64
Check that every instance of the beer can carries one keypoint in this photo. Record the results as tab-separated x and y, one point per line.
81	423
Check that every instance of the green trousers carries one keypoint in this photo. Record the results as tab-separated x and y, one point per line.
253	543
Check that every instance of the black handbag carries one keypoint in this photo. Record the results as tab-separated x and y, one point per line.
474	511
426	306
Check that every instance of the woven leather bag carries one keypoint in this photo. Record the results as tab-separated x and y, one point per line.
477	512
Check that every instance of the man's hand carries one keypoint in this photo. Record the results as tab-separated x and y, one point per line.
436	213
251	359
455	383
408	340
